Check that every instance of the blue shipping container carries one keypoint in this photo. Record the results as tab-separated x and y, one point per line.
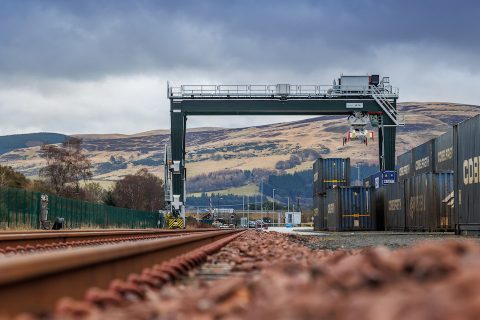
429	202
422	158
394	210
350	208
443	146
404	164
329	173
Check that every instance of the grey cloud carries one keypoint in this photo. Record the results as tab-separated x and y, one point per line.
102	66
88	39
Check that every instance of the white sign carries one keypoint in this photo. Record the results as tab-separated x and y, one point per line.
354	105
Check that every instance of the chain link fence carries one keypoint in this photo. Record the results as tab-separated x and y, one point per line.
22	209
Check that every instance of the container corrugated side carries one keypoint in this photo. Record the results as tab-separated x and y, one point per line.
404	164
350	208
379	207
429	203
422	158
394	204
443	160
316	222
319	211
315	172
467	186
330	173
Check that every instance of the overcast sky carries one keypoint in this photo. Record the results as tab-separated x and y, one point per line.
102	66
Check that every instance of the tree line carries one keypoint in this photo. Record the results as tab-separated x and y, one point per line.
68	173
224	179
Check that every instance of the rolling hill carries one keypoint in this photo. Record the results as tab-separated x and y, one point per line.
275	148
19	141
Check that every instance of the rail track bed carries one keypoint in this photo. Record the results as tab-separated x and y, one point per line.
13	239
250	275
33	283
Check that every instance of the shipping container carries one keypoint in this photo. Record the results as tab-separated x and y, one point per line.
316	217
316	222
376	182
329	173
467	182
394	206
378	204
404	164
422	158
429	202
319	210
443	152
350	208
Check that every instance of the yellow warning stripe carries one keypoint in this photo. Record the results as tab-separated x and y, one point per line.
175	223
355	215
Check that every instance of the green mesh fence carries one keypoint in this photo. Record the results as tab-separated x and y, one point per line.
21	209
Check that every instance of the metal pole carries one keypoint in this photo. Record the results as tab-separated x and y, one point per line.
243	209
248	211
273	208
261	199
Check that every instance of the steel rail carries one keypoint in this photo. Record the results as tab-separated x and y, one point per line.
34	283
34	238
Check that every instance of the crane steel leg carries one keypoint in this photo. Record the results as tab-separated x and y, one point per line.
178	130
388	143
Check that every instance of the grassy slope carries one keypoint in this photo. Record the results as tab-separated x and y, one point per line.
248	148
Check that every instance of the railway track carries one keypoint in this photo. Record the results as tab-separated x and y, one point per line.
274	276
33	283
34	238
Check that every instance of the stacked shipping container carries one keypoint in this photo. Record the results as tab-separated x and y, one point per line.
350	208
330	172
394	206
422	158
443	152
433	182
467	180
431	177
422	199
427	206
404	164
375	181
327	174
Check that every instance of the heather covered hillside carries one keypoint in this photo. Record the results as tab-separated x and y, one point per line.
236	159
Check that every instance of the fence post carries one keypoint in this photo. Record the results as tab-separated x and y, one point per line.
38	209
45	205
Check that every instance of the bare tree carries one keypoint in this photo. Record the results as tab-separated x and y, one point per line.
141	191
66	166
11	178
93	192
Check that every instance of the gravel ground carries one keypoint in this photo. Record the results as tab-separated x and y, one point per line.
357	240
269	275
